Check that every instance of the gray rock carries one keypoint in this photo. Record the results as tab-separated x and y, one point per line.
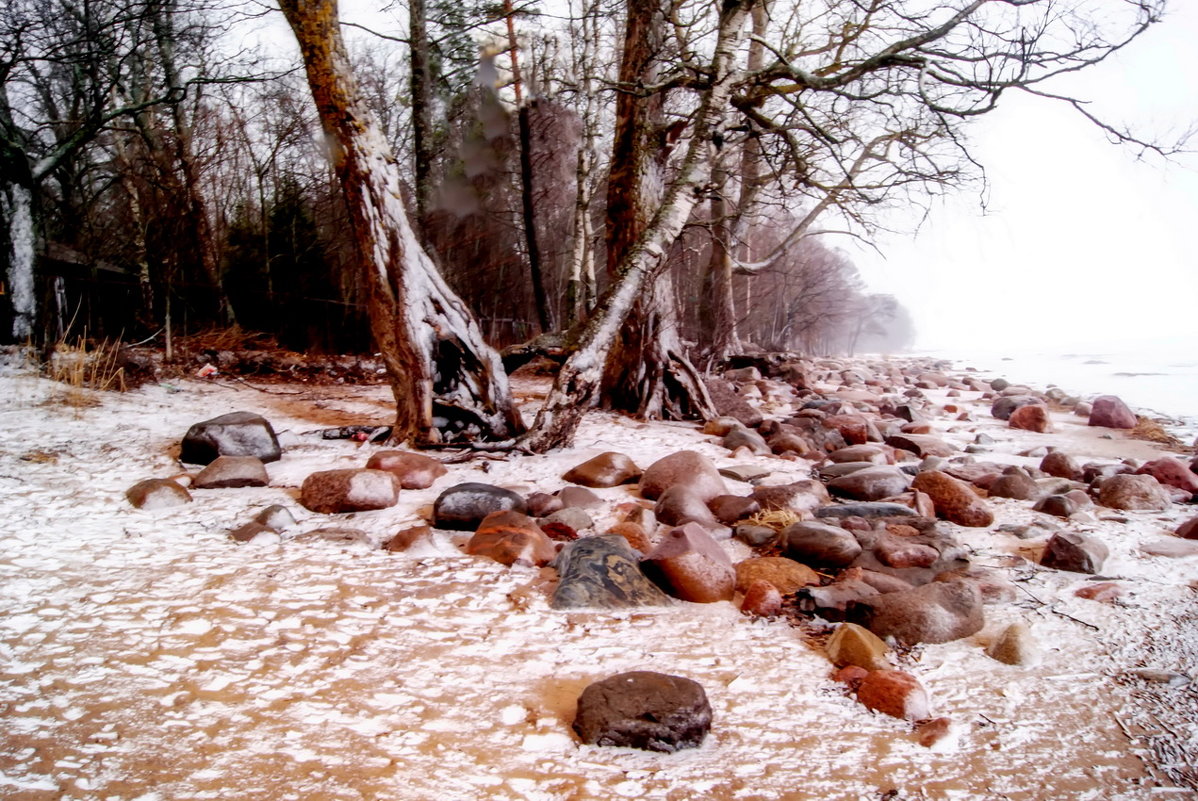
871	510
603	573
571	516
757	536
1056	505
746	438
641	709
747	473
871	484
463	506
729	403
234	434
232	471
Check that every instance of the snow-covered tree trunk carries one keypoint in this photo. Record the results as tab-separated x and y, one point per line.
16	211
575	389
442	372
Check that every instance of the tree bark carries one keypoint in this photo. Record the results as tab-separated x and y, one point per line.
578	381
16	210
647	372
422	124
443	375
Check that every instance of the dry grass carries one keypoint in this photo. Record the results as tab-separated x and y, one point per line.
86	369
1152	431
231	338
777	519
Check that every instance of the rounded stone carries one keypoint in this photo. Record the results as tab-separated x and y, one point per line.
643	709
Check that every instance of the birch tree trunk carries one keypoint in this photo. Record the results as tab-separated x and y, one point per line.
16	211
443	374
578	381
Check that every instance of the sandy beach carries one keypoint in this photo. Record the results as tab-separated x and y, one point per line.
146	655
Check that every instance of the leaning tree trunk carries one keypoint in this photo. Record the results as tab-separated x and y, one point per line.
647	372
438	363
578	381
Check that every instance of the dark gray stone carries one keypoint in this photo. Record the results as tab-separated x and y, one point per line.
642	709
463	506
603	573
938	612
871	484
869	510
233	434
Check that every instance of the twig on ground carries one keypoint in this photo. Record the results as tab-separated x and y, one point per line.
1054	610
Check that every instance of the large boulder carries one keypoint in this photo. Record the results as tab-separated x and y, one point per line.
349	490
934	613
1109	411
511	538
954	500
414	470
683	467
603	573
463	506
1133	493
608	469
233	434
232	471
642	709
1061	465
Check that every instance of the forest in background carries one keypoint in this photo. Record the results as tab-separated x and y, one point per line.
175	180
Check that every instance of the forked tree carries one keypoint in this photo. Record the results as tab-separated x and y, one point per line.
445	378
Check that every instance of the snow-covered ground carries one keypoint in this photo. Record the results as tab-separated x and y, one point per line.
145	655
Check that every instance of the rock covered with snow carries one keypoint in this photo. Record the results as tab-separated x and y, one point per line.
463	506
414	470
157	493
233	471
349	490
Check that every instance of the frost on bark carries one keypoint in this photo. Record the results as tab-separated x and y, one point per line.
16	211
447	382
578	381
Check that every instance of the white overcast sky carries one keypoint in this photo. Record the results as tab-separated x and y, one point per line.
1081	243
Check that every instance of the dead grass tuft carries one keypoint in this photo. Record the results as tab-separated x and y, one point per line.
777	519
86	369
231	338
1152	431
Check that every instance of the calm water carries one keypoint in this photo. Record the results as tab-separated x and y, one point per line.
1161	379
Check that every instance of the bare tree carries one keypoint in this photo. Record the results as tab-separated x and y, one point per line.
439	365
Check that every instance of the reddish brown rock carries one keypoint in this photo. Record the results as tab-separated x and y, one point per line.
1110	412
935	613
341	491
954	500
894	693
851	644
730	509
1033	417
634	534
414	470
931	732
233	471
877	454
853	427
680	504
157	493
1189	529
1133	493
762	599
1015	483
785	574
730	403
542	504
979	474
609	469
683	467
694	566
511	537
1171	472
1103	591
1061	465
1069	550
408	538
852	675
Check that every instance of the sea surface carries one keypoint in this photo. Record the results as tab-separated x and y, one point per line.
1159	379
